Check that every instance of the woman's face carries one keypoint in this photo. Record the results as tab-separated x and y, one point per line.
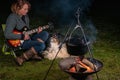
24	10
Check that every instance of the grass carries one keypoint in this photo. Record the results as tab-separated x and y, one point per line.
106	49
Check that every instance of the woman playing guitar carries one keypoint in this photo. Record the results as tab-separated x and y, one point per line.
19	20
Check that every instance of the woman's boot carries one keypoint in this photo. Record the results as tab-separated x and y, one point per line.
36	57
25	56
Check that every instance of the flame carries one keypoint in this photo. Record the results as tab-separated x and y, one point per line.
88	69
72	69
81	64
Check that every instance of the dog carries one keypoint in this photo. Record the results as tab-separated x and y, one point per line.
54	50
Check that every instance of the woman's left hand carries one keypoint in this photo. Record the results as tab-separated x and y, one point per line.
39	29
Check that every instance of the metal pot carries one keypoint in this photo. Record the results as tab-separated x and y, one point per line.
76	46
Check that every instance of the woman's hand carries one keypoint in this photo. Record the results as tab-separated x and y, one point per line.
40	40
39	29
26	37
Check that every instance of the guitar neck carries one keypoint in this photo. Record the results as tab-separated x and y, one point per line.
35	30
32	31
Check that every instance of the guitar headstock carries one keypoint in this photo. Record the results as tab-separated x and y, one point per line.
50	25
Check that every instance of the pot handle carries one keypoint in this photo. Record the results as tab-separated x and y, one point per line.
77	26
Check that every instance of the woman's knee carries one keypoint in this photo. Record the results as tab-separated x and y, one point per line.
45	33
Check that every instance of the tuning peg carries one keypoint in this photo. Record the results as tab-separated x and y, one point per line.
51	25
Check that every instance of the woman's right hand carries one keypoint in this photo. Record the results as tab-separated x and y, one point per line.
26	37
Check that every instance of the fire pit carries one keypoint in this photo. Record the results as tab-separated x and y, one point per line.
80	69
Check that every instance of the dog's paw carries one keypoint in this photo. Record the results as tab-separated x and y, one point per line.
50	56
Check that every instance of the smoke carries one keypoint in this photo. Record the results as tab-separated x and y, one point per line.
63	12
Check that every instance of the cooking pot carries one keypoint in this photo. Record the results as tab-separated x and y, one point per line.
76	46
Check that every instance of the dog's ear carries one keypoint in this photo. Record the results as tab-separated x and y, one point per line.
55	36
60	37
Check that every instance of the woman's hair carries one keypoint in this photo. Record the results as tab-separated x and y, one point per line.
16	6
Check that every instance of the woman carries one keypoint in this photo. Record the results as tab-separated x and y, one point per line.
19	20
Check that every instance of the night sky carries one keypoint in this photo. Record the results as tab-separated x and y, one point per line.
63	10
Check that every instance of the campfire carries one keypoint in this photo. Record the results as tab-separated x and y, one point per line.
80	69
78	66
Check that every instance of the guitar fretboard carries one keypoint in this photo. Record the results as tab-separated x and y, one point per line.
35	30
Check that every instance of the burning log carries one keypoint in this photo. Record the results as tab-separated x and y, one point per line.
80	66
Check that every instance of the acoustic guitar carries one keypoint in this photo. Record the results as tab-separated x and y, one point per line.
17	42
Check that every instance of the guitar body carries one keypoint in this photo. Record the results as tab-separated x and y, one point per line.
15	42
